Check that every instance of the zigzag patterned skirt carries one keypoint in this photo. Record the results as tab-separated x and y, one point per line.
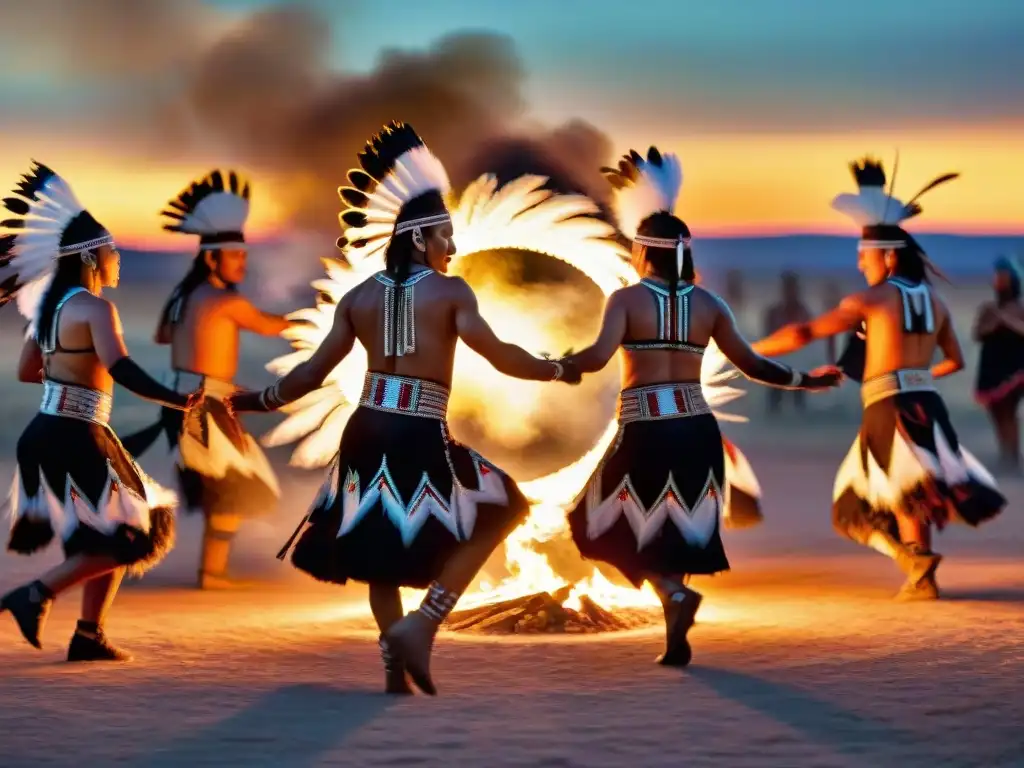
907	457
402	496
654	505
75	481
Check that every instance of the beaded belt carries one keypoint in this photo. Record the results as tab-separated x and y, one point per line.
662	401
402	394
75	402
896	382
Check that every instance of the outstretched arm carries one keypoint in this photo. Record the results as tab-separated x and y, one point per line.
613	331
248	318
796	336
758	368
30	364
509	359
307	376
950	346
108	339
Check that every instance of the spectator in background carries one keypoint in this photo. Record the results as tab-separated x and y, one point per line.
791	309
999	328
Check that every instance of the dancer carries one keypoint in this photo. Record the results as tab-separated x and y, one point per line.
999	328
652	506
906	471
74	479
403	503
222	471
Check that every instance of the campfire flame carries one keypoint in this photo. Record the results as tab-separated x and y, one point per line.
521	215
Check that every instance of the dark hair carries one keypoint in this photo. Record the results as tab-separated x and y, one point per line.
174	309
663	260
67	276
910	262
1010	267
399	255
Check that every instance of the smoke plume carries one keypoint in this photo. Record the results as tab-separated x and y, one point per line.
259	91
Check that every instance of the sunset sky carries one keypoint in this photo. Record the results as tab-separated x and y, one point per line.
765	101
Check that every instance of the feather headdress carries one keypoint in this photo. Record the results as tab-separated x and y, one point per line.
47	223
396	168
645	187
215	207
877	211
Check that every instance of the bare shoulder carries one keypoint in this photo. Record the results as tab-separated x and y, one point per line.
709	301
452	287
92	305
872	296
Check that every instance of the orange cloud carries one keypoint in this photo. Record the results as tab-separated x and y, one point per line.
127	194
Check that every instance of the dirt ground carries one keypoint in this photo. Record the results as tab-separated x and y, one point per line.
801	660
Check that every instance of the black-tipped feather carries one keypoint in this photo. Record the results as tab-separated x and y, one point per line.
868	172
946	177
654	156
353	197
360	179
341	243
199	190
34	180
16	205
7	244
355	219
13	223
380	153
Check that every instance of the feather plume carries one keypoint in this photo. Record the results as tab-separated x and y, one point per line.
395	167
217	202
44	207
644	187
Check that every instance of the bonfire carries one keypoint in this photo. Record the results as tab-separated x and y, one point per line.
519	216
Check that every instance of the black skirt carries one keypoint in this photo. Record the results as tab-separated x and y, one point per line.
221	468
907	456
400	498
76	481
1000	368
654	504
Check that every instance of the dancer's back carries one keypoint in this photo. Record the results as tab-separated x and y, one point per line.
905	323
444	310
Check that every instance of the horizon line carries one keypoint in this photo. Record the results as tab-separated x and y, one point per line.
714	234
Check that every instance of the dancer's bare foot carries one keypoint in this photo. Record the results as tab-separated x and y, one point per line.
411	641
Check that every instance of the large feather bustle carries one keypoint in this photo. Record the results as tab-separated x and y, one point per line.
644	187
216	202
872	206
41	207
396	167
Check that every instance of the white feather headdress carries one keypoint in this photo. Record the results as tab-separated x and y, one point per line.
397	167
877	211
645	187
48	223
215	207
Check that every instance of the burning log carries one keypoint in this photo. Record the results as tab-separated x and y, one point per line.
542	613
